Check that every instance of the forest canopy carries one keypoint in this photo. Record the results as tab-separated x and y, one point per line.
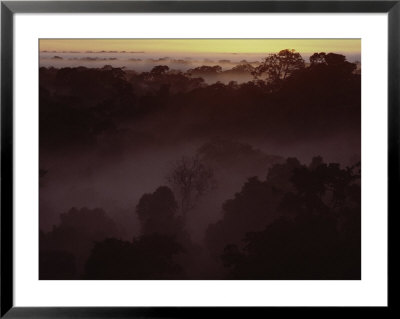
247	172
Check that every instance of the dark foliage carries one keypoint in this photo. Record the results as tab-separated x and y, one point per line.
318	236
73	239
279	66
56	264
255	206
110	107
157	213
149	257
287	221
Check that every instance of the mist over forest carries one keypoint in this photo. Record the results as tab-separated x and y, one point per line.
171	168
141	61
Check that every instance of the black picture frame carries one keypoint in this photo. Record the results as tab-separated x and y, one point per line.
9	8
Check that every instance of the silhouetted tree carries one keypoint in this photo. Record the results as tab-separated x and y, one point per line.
333	60
190	179
159	70
157	213
205	70
318	237
318	58
243	67
279	66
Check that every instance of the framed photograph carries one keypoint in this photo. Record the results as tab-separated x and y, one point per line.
188	158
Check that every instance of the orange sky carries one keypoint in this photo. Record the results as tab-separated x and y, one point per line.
203	45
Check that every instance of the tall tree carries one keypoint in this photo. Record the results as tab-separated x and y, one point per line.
157	213
279	66
190	179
